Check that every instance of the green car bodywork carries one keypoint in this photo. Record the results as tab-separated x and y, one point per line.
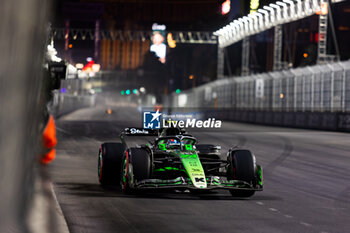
188	156
190	166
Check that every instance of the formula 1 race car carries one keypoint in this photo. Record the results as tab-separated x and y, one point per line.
173	160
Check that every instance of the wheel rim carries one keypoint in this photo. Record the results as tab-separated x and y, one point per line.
100	166
125	171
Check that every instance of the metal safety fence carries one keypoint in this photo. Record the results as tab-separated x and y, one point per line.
316	97
319	88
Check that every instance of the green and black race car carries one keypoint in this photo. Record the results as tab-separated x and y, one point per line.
173	160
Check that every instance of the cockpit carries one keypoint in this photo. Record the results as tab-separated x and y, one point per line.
176	143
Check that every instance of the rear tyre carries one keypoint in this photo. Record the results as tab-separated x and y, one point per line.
136	166
242	167
109	162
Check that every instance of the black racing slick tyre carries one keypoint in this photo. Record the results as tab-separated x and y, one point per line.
136	166
109	162
242	167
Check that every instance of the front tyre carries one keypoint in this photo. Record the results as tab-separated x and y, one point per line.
136	166
242	167
109	163
126	176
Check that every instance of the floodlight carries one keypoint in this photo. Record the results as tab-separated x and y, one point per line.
292	8
281	4
300	12
278	10
316	5
285	10
275	6
244	25
272	13
261	19
266	15
282	11
307	7
249	24
255	20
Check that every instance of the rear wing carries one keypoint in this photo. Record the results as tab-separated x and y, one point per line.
140	132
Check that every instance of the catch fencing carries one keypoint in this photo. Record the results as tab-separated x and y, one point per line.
278	98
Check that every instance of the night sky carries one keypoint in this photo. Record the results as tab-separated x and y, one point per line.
198	15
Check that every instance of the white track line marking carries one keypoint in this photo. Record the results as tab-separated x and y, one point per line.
305	224
61	219
287	215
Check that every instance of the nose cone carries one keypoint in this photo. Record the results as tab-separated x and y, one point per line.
199	182
194	169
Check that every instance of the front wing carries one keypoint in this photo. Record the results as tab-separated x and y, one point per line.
213	182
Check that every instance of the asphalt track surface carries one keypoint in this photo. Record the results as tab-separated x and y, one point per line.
306	182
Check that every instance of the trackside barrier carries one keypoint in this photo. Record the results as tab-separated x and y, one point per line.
66	103
75	94
309	97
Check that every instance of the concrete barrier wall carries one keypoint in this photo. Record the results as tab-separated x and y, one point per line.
309	120
66	103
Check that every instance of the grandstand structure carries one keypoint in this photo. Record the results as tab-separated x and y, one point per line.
273	16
